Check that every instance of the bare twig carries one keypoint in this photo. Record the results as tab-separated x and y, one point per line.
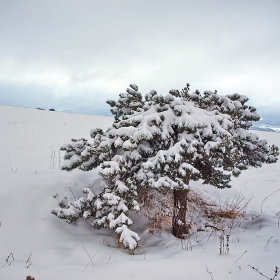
256	269
227	245
267	243
209	273
9	259
88	255
245	228
267	198
28	263
224	243
111	256
240	257
91	261
71	191
276	272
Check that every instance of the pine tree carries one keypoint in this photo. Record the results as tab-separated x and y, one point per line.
162	142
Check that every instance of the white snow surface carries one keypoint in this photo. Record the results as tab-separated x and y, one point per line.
35	242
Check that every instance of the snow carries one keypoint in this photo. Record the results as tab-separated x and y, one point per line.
30	163
121	186
121	219
127	236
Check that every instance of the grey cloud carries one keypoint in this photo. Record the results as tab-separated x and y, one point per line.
87	47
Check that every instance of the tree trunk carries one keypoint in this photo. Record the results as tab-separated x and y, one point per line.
179	225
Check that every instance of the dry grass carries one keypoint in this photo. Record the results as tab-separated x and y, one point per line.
158	208
231	209
118	242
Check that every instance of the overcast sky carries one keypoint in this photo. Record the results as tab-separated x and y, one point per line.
77	54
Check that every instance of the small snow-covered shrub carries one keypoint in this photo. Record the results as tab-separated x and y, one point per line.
160	143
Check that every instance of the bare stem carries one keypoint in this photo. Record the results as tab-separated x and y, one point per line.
240	257
267	198
88	255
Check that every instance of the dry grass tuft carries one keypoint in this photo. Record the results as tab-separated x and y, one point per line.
231	209
158	208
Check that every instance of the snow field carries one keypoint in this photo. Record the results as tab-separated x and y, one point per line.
30	177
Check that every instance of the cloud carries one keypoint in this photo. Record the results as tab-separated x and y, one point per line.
79	49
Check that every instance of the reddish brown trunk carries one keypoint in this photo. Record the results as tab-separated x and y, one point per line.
179	225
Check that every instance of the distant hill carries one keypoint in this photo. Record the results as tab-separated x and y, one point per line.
268	122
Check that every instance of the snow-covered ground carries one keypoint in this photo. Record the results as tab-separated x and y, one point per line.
35	242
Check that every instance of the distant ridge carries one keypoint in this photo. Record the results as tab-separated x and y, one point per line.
268	122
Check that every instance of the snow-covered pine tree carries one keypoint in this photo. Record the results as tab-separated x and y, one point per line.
163	142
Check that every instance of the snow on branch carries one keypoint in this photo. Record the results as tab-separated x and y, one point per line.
127	237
